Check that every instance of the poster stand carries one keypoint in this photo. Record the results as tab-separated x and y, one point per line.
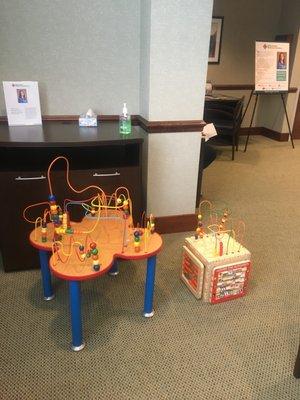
271	76
256	94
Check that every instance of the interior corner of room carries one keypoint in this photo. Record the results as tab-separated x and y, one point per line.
164	92
243	24
161	57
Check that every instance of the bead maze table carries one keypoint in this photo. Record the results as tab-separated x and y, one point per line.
92	247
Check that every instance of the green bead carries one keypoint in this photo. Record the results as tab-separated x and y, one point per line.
88	254
95	251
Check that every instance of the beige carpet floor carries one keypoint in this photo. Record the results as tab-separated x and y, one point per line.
239	350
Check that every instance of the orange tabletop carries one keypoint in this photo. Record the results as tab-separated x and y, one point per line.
114	237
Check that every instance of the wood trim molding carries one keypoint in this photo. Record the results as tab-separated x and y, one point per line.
170	126
232	87
244	86
176	223
269	133
66	118
279	136
254	130
75	118
148	126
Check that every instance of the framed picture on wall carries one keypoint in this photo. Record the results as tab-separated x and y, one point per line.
215	40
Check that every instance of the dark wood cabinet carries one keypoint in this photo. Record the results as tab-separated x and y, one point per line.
99	156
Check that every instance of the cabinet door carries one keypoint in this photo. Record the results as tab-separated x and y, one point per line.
18	190
109	179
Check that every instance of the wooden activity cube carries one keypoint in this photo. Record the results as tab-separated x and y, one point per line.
213	277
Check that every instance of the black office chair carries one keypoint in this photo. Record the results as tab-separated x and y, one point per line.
207	155
226	119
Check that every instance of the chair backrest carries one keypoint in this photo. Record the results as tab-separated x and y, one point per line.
224	111
213	115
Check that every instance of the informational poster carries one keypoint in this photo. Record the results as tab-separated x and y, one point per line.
22	103
271	66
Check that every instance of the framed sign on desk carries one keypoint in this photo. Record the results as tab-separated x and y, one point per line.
215	40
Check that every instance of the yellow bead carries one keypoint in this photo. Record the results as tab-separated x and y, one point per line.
199	216
125	203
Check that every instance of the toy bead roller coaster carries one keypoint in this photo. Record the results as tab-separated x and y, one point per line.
215	263
87	248
224	233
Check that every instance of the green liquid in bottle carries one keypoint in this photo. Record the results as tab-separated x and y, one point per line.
125	125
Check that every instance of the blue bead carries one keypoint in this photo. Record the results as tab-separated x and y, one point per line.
52	197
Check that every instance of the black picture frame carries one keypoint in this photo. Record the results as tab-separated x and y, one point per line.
215	42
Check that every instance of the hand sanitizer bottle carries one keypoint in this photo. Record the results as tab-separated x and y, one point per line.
125	122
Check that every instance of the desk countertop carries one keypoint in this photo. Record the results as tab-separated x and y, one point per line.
57	133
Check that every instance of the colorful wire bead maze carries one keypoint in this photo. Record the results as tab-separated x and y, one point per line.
89	248
107	226
215	264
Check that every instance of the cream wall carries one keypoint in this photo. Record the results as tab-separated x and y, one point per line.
179	45
83	53
289	23
244	22
99	53
173	160
173	74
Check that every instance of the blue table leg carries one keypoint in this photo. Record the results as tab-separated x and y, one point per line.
46	275
149	287
76	323
114	269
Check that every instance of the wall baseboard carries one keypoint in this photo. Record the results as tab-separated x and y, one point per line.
176	223
252	131
269	133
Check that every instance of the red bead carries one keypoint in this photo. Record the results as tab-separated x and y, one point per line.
93	245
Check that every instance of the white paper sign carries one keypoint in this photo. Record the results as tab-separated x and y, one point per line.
271	66
22	103
209	131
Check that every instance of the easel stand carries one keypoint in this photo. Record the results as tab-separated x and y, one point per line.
256	94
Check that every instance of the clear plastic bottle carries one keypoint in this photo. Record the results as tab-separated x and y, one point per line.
125	122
